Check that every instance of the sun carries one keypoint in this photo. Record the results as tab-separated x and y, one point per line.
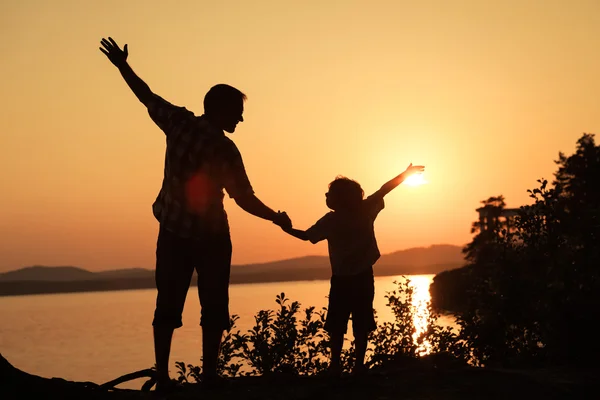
415	180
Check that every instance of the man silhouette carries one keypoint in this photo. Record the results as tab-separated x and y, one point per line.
200	162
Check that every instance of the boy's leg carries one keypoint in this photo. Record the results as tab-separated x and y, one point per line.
211	346
363	317
338	313
336	344
360	346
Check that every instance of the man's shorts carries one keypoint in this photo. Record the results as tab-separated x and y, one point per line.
176	259
351	295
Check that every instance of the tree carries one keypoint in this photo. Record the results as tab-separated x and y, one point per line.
485	229
532	294
578	187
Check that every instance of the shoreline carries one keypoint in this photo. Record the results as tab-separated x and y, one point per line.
31	288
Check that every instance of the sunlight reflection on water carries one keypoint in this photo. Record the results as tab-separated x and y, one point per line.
99	336
420	302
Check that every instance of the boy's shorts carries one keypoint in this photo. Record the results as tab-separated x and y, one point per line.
351	295
176	260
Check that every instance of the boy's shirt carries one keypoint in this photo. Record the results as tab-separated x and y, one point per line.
350	237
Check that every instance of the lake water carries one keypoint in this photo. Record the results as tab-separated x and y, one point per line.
100	336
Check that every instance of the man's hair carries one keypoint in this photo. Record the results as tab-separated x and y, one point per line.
221	97
346	192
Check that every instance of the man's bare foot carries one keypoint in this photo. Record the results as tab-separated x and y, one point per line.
167	386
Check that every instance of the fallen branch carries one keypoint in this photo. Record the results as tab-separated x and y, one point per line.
144	373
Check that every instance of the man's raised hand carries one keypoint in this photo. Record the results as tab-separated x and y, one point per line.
111	49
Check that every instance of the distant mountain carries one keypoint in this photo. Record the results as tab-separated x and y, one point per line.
39	279
419	260
41	273
64	274
126	273
305	263
423	256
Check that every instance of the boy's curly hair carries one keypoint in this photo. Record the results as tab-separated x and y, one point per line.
345	192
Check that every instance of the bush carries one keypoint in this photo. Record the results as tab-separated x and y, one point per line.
531	292
279	342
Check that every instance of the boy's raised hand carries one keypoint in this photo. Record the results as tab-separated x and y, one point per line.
414	169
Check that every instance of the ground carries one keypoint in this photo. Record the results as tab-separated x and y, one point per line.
403	382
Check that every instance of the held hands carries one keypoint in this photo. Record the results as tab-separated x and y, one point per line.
283	220
111	49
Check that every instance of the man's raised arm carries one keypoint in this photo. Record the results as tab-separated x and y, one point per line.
119	59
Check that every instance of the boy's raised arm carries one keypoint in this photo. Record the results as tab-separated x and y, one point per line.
119	59
393	183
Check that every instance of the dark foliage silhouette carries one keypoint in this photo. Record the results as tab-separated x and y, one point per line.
530	295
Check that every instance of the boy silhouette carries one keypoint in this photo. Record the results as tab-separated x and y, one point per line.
353	250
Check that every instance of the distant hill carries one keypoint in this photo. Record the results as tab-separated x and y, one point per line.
64	274
424	256
41	273
419	260
40	279
126	273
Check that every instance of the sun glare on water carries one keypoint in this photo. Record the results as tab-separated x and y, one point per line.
420	304
415	180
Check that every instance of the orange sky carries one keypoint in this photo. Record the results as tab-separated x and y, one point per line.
484	94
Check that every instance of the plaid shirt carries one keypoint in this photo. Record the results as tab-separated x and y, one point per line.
200	162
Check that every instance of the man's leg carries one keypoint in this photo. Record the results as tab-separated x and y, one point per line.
213	291
162	349
173	274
